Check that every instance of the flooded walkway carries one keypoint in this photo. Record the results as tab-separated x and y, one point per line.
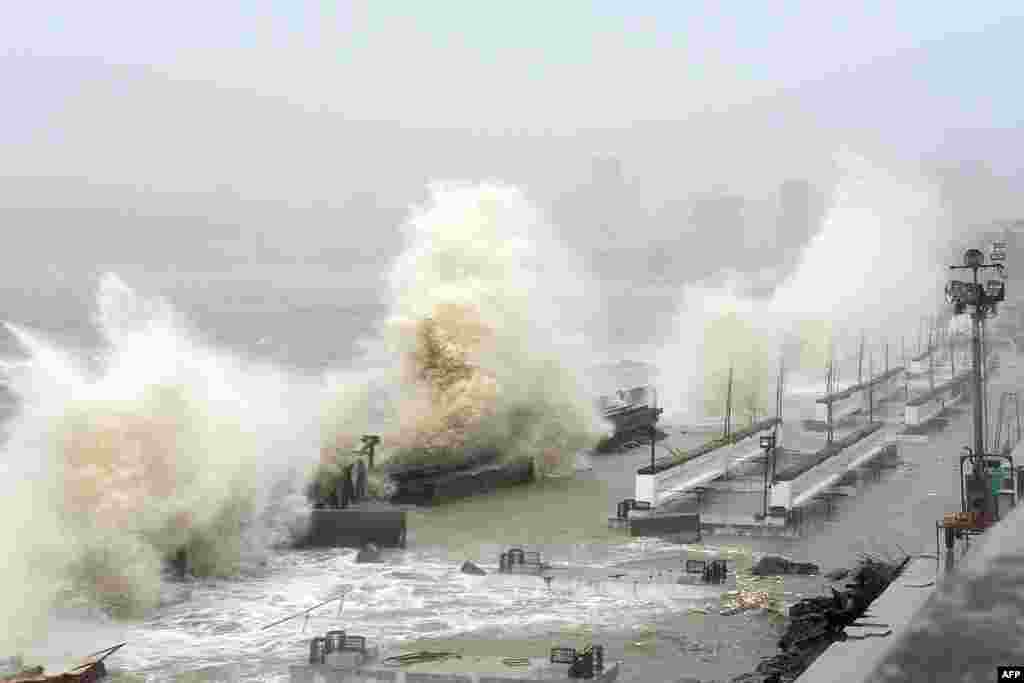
660	630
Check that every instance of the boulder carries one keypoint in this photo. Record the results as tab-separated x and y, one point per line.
774	565
369	553
771	565
803	568
837	574
470	568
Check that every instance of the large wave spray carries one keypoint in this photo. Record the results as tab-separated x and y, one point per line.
166	444
482	342
875	266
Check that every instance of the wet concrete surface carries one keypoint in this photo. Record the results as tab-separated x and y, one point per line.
890	509
972	623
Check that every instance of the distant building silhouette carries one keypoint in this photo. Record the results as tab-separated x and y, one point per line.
719	218
801	210
607	172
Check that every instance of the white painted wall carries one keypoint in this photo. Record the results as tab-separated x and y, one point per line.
781	495
706	468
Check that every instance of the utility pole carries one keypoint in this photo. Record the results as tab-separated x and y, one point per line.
984	375
906	380
871	389
728	404
952	355
653	431
829	383
931	359
860	361
779	397
768	445
982	300
769	442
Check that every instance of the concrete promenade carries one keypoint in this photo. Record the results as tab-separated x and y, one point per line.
970	621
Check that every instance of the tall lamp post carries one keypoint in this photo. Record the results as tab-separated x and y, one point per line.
768	445
983	302
653	433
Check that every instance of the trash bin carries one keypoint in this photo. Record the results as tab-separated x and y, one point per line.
998	474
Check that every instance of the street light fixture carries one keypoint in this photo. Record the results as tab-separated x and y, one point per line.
768	445
983	301
973	258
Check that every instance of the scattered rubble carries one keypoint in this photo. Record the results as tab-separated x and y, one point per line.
837	574
773	565
815	623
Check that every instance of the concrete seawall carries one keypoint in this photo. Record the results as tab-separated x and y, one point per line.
972	621
854	658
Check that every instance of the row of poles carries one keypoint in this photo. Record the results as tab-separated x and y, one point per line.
936	338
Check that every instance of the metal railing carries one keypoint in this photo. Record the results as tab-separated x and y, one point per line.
305	612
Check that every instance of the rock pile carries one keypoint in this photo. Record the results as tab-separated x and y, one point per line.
774	565
815	623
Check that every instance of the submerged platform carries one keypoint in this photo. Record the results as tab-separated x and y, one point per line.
682	527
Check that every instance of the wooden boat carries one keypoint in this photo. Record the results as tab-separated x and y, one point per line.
90	670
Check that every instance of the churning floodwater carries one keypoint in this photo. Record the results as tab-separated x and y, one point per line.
415	594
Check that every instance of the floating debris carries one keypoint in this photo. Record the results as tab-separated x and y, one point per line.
815	623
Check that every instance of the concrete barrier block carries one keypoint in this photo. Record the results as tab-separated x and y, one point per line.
354	528
684	525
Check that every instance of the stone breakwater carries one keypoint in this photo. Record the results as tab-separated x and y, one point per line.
816	623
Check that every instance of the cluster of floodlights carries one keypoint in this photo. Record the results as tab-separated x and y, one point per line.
983	296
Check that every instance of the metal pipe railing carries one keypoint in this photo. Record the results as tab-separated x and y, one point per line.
306	612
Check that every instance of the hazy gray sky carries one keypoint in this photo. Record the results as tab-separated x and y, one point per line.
567	64
203	135
253	160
